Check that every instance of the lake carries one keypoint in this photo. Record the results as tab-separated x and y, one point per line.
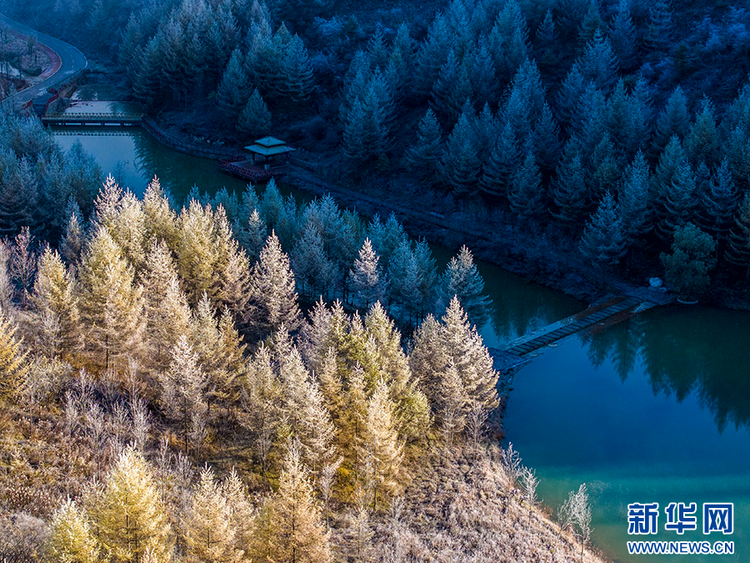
654	409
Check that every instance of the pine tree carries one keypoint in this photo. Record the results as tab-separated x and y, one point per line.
693	257
702	140
719	203
232	94
382	445
622	34
111	303
255	119
568	189
305	411
129	515
56	302
272	298
738	251
635	201
470	357
367	284
603	243
599	63
679	201
451	89
290	526
72	539
451	402
166	308
183	386
14	368
674	120
658	36
424	155
546	141
314	271
463	280
207	526
526	195
160	221
503	162
460	166
71	243
296	78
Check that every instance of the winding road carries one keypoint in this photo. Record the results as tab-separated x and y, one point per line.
71	60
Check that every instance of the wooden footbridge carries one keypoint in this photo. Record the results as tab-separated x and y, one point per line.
603	314
93	119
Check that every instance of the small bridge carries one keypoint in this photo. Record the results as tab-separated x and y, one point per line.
93	119
608	312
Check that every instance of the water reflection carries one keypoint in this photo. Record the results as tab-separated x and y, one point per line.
685	350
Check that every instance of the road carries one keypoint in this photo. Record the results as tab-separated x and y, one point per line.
71	60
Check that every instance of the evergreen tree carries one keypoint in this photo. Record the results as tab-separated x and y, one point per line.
738	251
111	303
14	368
702	140
460	165
56	302
599	63
603	243
689	265
313	270
183	387
232	94
451	89
526	195
568	188
367	283
129	515
424	155
290	526
255	119
719	203
658	37
71	243
503	162
382	445
622	34
166	308
546	44
635	201
272	298
463	280
296	79
207	525
546	141
679	201
72	539
160	221
674	120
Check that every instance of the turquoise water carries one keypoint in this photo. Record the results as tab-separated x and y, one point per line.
655	409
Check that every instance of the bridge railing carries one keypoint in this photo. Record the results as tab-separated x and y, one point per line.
93	116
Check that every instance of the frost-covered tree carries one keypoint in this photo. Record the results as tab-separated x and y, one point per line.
129	515
56	301
314	271
290	525
272	297
111	302
207	526
255	119
463	280
72	539
603	243
381	444
71	244
366	278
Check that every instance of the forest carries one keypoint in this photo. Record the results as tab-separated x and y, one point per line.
245	377
177	387
618	129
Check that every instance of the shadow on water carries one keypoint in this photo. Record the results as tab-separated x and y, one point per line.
685	351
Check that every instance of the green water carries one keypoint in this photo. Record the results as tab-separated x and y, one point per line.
655	409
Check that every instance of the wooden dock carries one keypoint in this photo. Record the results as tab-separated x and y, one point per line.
245	169
92	119
609	312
